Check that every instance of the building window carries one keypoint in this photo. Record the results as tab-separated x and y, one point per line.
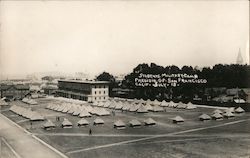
104	93
95	86
95	98
95	92
99	92
104	97
100	98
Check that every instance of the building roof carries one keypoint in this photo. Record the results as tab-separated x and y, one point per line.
17	86
84	81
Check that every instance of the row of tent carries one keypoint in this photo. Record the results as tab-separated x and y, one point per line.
78	110
156	102
141	107
29	101
119	124
27	113
218	114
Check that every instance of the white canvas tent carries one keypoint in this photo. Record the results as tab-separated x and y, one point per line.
82	122
239	110
76	112
112	105
217	116
66	123
181	105
119	124
134	123
228	114
164	104
171	104
204	117
103	112
178	119
98	121
231	109
190	106
142	109
134	107
106	104
217	111
49	125
118	106
36	117
156	102
84	113
101	104
126	107
95	103
149	107
149	121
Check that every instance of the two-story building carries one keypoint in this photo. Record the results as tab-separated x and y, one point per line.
90	91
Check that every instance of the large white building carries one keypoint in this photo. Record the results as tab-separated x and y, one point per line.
90	91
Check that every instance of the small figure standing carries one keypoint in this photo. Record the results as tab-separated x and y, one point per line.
90	131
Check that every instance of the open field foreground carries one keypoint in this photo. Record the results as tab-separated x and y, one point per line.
192	138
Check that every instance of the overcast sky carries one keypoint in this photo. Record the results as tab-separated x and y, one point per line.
115	36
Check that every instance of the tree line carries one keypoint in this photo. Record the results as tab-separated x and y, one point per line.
228	76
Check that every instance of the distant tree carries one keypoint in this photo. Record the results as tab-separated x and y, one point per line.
105	76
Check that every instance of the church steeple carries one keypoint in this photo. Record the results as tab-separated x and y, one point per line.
239	58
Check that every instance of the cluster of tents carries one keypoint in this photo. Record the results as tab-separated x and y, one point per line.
218	114
141	106
26	113
78	110
119	124
29	101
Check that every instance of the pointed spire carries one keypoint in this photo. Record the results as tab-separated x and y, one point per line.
239	58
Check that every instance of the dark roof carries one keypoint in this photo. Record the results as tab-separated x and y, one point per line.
17	86
122	90
49	87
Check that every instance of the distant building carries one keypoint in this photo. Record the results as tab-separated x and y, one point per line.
90	91
50	89
12	91
239	58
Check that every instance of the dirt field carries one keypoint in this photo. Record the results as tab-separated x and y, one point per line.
193	138
5	151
